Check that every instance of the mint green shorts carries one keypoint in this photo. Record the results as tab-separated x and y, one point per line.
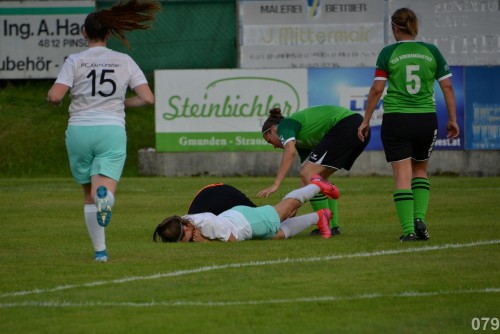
94	150
264	220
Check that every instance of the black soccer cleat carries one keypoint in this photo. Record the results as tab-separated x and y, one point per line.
408	238
421	230
335	231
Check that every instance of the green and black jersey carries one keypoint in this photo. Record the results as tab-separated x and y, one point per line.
411	68
308	126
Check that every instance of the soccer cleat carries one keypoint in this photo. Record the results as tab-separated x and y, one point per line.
335	230
326	188
324	223
408	238
101	256
103	206
420	229
314	232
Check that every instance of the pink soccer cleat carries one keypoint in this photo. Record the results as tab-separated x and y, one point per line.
326	188
324	223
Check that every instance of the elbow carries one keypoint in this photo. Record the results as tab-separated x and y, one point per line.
147	99
377	93
53	99
150	100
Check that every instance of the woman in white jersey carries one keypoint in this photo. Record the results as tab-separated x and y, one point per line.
98	79
409	126
244	222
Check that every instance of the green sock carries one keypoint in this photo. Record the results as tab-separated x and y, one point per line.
403	199
319	202
332	205
421	188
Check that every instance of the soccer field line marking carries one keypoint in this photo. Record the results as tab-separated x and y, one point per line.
250	264
180	303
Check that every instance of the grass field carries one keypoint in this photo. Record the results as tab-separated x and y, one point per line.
363	281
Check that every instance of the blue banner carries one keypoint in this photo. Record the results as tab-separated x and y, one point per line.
482	109
349	87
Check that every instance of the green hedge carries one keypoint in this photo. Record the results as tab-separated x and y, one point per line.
32	132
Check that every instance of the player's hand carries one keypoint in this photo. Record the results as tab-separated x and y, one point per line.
268	191
363	130
452	130
198	237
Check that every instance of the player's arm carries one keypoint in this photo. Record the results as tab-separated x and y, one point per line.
144	96
449	98
56	93
286	163
374	95
199	237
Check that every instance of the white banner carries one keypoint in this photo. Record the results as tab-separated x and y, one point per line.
466	32
36	36
207	110
310	33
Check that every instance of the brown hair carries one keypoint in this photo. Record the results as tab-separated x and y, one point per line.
122	17
170	229
275	117
406	20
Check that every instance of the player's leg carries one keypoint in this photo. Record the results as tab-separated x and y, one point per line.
103	189
80	153
96	232
396	138
425	138
321	201
294	199
293	226
339	148
107	166
403	197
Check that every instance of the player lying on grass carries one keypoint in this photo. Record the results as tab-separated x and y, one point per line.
245	223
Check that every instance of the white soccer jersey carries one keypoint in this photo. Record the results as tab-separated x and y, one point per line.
98	78
222	226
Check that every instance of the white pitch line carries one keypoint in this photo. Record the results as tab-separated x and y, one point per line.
180	303
250	264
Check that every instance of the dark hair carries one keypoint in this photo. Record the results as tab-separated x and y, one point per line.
169	230
406	20
122	17
275	117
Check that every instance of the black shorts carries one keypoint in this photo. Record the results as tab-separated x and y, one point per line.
407	136
341	146
217	198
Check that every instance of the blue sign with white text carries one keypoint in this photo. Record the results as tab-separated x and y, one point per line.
349	87
482	110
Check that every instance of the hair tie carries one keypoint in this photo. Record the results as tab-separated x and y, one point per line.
263	132
182	232
400	27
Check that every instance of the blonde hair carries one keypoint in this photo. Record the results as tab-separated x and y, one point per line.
406	20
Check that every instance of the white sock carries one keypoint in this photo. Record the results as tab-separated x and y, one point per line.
295	225
303	194
96	231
